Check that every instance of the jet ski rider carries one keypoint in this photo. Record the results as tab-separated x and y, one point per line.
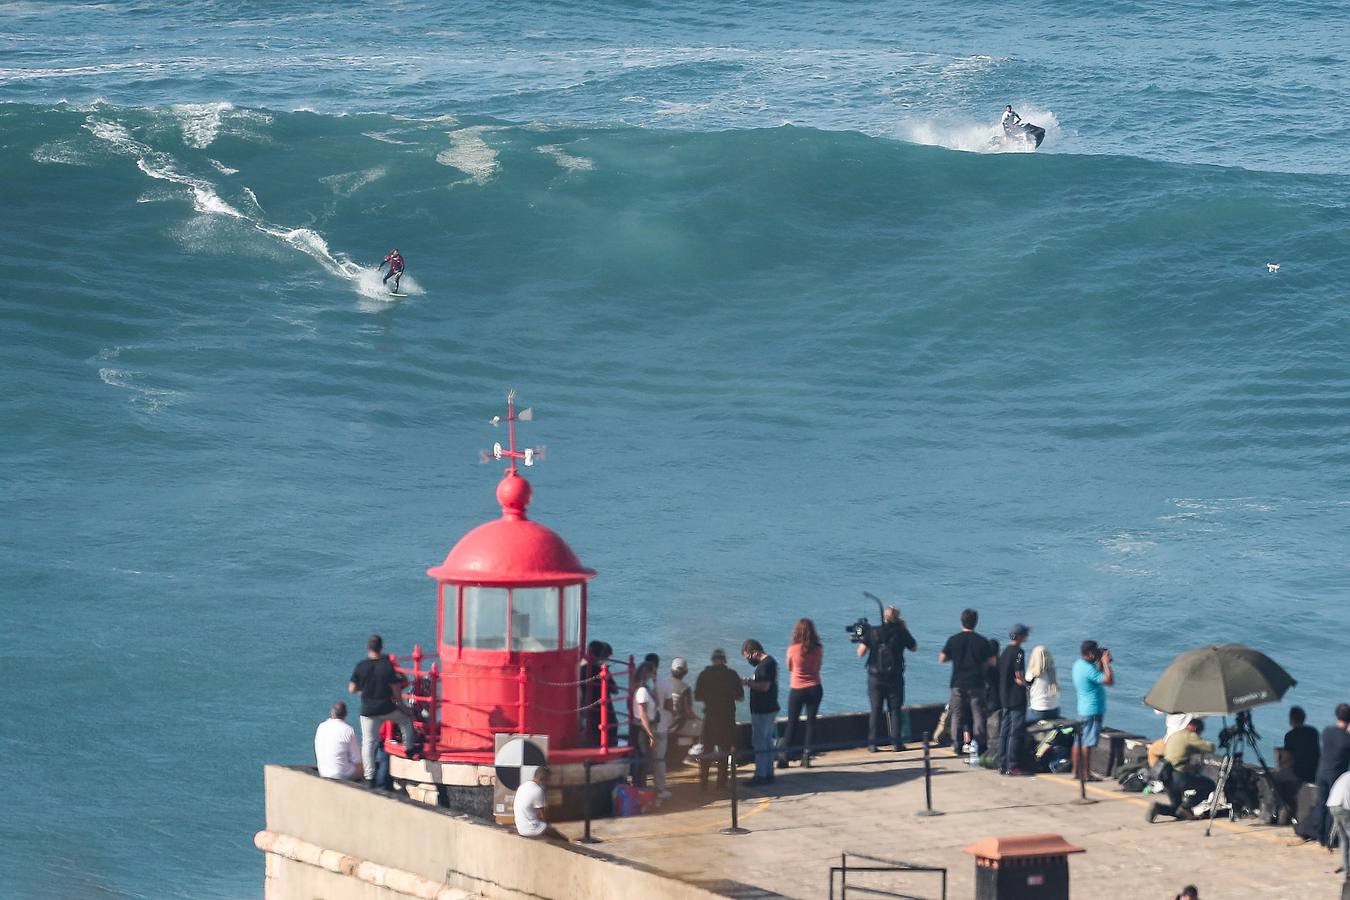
1010	120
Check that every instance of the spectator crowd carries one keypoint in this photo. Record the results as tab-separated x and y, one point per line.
1007	689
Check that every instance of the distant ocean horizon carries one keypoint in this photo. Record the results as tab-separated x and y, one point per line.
795	325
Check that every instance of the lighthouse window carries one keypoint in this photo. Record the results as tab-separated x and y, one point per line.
534	619
485	618
572	615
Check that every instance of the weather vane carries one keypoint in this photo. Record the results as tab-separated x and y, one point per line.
530	455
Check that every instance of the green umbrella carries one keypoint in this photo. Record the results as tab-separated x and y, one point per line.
1219	680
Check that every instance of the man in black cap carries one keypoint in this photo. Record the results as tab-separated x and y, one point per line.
1012	691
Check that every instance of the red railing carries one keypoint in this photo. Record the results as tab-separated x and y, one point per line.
423	696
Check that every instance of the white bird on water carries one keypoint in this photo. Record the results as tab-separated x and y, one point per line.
1272	267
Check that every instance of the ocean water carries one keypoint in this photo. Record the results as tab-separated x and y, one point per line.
792	331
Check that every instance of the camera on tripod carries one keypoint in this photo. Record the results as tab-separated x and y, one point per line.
1239	733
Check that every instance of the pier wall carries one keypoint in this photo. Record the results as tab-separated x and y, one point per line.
338	841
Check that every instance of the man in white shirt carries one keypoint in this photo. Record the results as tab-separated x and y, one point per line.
677	713
336	748
530	803
1338	804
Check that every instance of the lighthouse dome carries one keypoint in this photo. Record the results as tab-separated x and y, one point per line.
511	550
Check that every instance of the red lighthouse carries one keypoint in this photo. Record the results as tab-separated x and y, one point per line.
511	625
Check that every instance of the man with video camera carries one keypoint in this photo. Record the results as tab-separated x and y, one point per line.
884	646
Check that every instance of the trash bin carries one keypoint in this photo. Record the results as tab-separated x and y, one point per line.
1022	867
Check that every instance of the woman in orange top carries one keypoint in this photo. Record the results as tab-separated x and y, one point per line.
804	690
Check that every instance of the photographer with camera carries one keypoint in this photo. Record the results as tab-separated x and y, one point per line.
1180	750
884	646
1092	675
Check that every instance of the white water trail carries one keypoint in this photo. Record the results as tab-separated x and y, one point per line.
365	280
978	137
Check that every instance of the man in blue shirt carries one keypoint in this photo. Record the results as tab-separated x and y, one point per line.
1091	676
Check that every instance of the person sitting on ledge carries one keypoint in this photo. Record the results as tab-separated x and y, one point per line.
531	805
337	752
1179	751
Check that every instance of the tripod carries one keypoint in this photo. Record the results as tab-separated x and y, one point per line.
1241	735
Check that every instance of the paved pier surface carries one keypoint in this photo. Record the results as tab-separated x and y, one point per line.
861	802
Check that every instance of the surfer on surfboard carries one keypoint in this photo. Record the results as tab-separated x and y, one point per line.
395	263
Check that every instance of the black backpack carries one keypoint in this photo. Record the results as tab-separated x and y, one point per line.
887	661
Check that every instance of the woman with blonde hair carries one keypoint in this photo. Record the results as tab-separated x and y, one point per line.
1042	685
804	689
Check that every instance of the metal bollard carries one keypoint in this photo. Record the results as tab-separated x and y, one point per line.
586	806
735	812
927	781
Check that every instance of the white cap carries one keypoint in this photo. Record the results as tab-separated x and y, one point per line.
678	664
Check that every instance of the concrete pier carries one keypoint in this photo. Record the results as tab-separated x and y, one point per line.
857	801
340	841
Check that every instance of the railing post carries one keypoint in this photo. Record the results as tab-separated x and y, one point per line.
521	724
604	706
586	806
434	719
927	780
735	811
632	670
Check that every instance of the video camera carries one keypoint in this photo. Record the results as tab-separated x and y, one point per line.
859	630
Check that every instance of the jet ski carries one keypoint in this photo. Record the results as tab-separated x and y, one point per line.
1024	133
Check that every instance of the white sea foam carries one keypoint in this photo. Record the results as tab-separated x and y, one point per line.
65	153
472	155
150	399
384	138
566	160
200	122
978	137
222	168
440	120
347	183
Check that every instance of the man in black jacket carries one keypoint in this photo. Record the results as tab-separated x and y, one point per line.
718	688
884	647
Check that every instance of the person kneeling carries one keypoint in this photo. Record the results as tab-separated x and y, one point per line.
1181	751
530	805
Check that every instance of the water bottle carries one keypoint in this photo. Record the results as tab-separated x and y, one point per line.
974	758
